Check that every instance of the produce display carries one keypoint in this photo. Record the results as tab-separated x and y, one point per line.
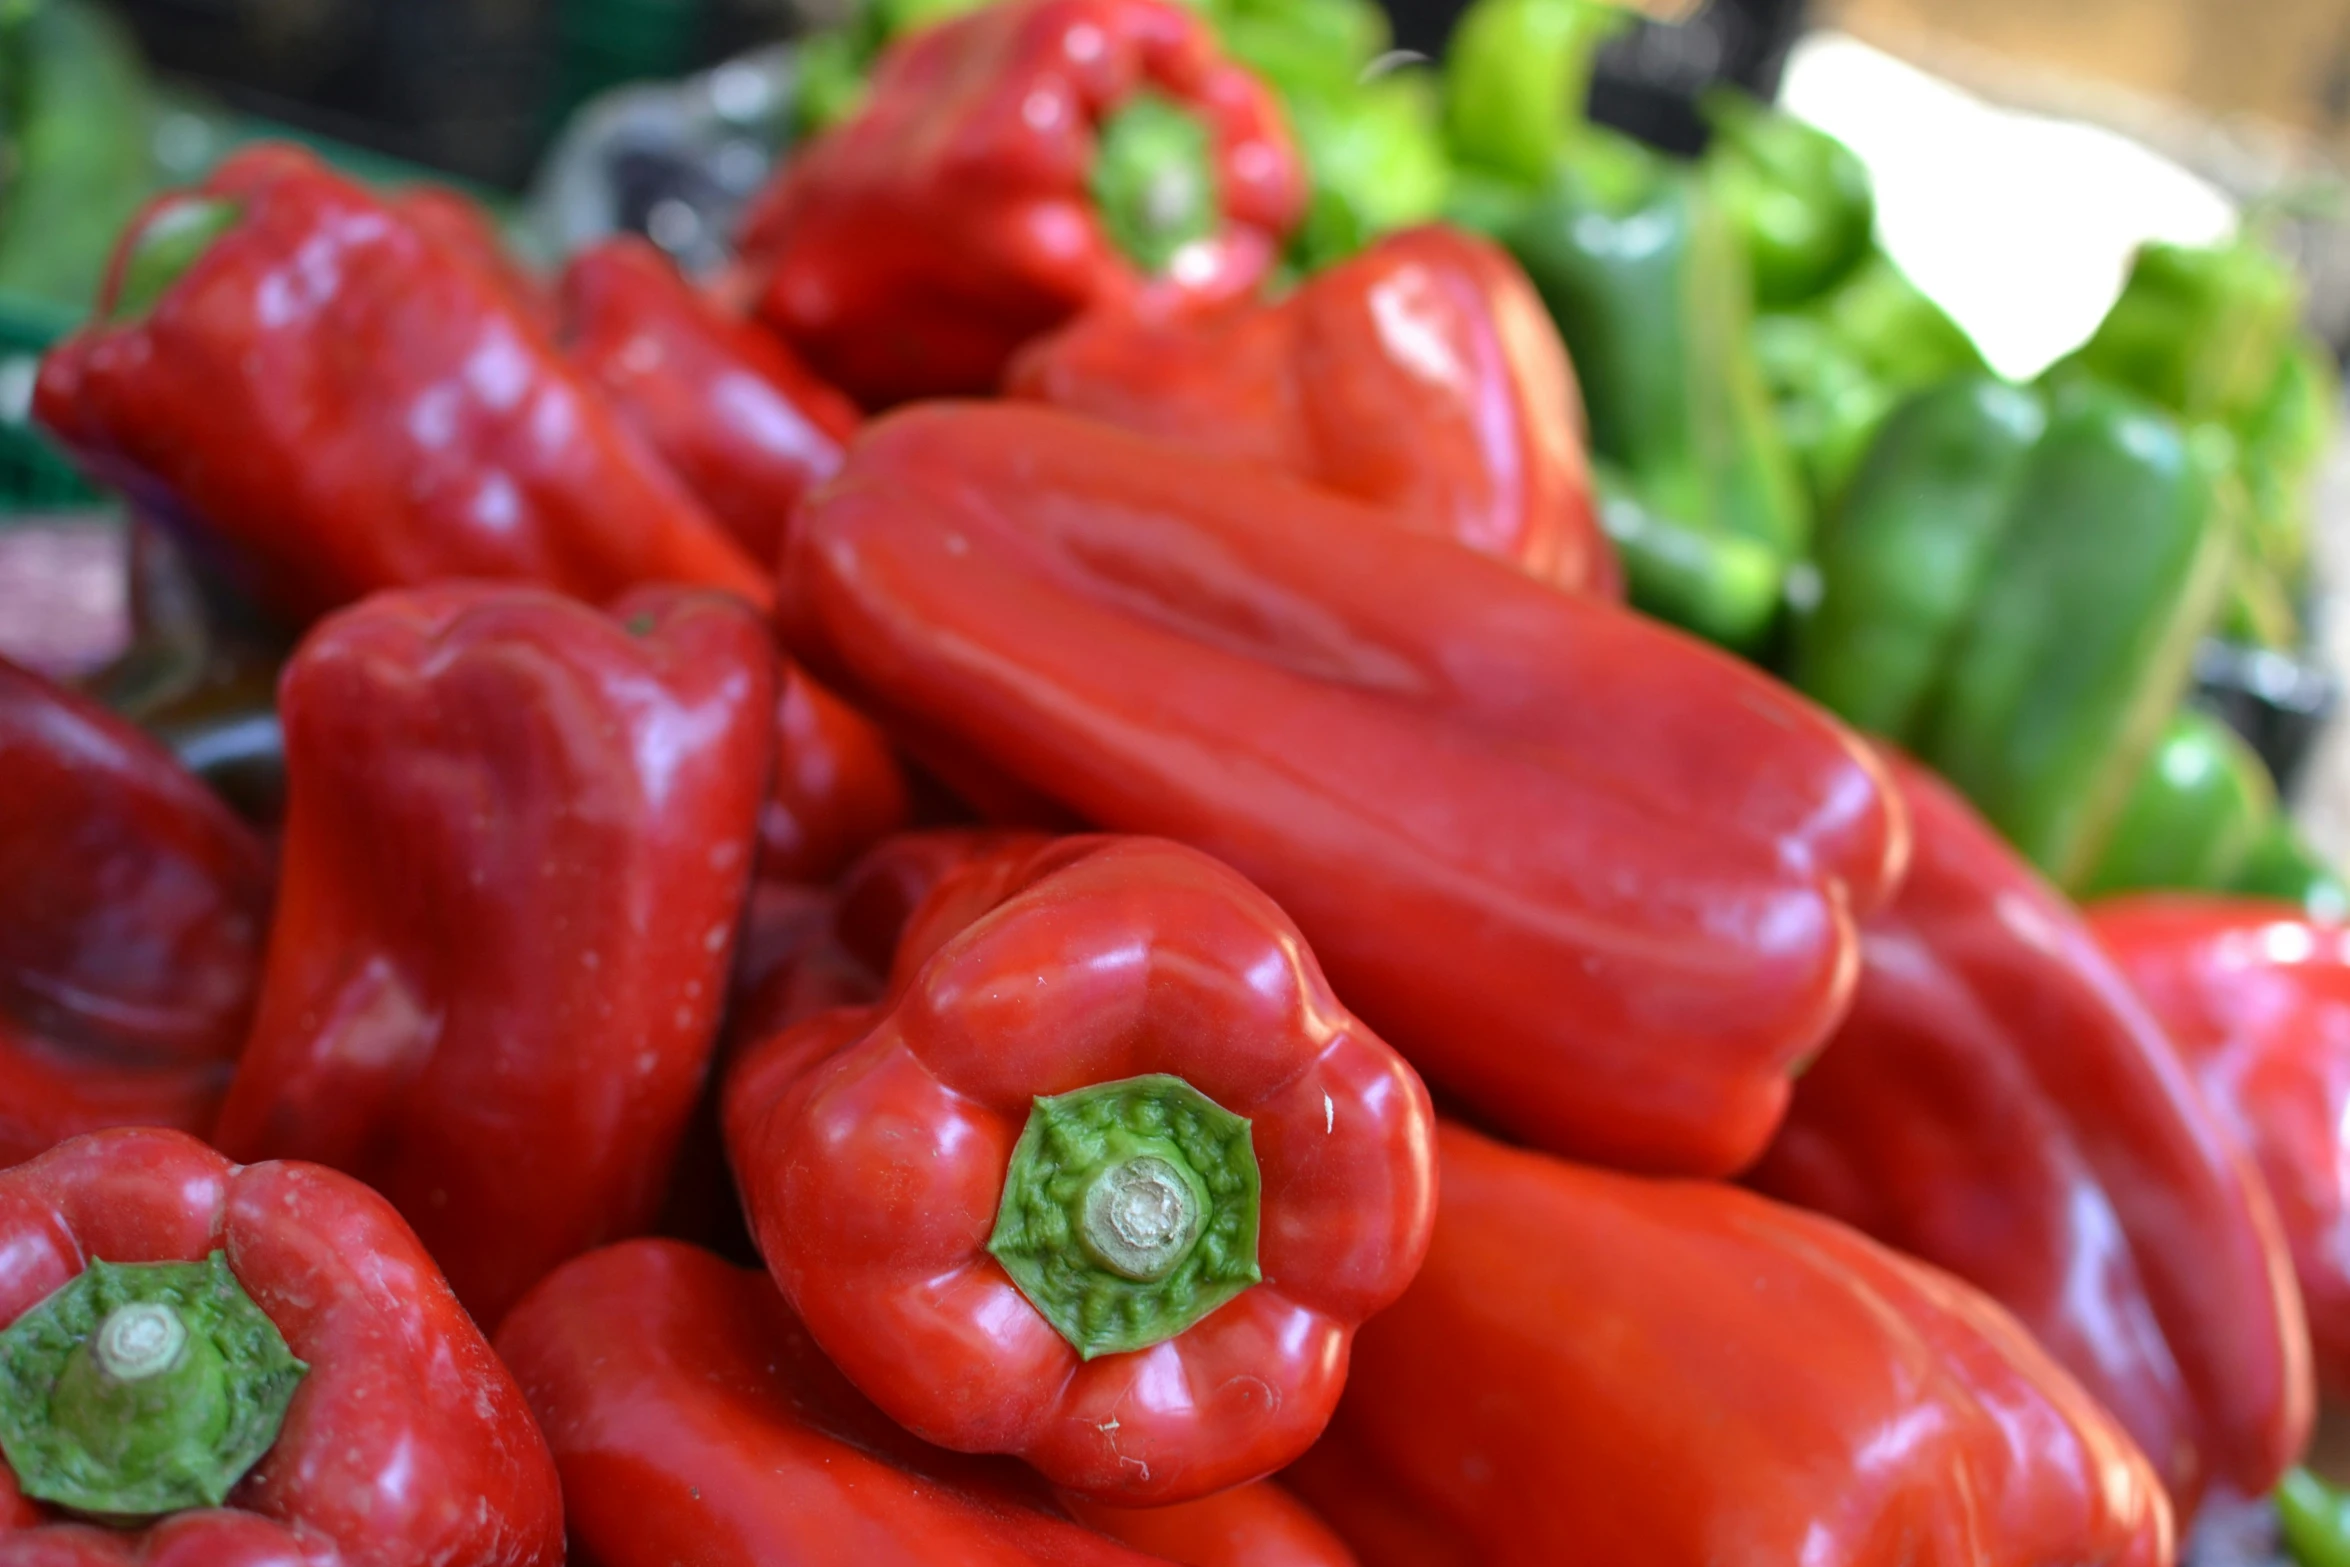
1258	806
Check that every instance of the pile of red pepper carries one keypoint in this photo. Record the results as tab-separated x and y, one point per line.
843	982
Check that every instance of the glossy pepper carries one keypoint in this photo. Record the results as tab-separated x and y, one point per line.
733	412
1008	168
1999	1103
2012	589
1260	1524
133	906
2199	807
324	1400
695	1420
1799	197
1597	1368
838	786
2257	1000
1106	1183
1453	778
1421	377
518	841
335	403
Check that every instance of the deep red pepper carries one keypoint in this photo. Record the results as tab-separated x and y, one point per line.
457	225
1595	1368
838	786
1106	1183
733	412
912	249
1590	875
2000	1104
341	403
695	1421
519	839
133	906
1255	1525
406	1440
1422	376
2256	997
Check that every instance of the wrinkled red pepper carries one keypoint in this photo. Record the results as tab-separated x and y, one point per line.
518	842
1010	167
404	1441
731	410
1500	813
1106	1183
695	1421
133	906
2257	999
2000	1104
1254	1525
340	403
1422	376
1594	1368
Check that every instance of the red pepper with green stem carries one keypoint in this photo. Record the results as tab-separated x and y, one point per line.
695	1420
2256	997
519	838
1008	169
730	409
233	1366
1106	1182
1590	875
2002	1105
1422	377
336	402
133	907
1596	1368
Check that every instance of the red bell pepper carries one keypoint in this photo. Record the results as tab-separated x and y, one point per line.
1422	376
341	403
733	412
1594	877
239	1366
2000	1104
2257	999
133	906
456	225
838	786
694	1421
1596	1368
517	847
1254	1525
1106	1183
1010	167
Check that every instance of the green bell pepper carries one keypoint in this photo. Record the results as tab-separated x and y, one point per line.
1517	74
1726	589
1375	157
2284	865
1800	197
2315	1520
82	153
2202	802
2198	330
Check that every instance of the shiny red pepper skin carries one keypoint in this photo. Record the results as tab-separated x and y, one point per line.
1594	877
911	250
695	1421
2002	1105
519	836
2257	999
899	1121
731	410
838	786
407	1442
133	906
1422	377
458	226
342	403
1253	1525
1595	1368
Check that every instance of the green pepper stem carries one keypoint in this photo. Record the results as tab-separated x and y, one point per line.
1142	1216
1154	180
141	1340
174	236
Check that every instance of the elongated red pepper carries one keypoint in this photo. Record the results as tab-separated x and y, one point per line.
1422	376
1107	1183
2000	1104
1255	1525
1593	1368
517	846
695	1421
2257	999
132	912
732	411
339	402
1590	875
1009	168
239	1366
456	225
